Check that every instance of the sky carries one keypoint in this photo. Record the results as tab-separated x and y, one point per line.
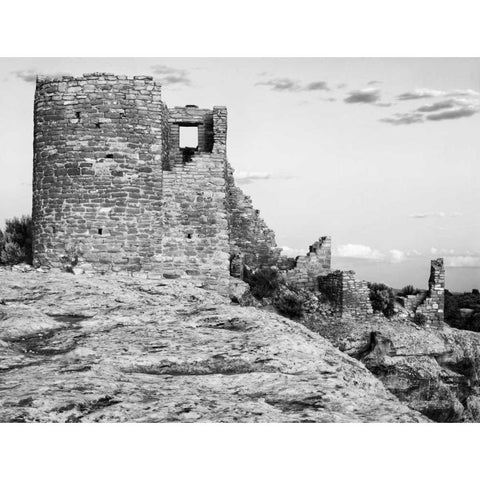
383	154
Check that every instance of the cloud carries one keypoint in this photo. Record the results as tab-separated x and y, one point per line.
403	118
463	261
419	93
374	82
427	214
463	93
341	85
397	256
367	95
362	252
29	76
171	76
292	252
245	178
285	84
461	112
320	85
281	84
433	107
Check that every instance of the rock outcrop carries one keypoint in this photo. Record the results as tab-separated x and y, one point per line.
433	370
117	349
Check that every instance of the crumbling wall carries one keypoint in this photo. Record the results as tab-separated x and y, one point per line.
433	308
308	267
252	243
97	183
349	296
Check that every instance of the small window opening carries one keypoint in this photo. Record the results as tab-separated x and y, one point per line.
77	114
188	137
109	155
189	235
100	231
98	124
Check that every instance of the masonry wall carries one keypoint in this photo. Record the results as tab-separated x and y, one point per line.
195	239
433	308
252	243
97	186
304	271
350	297
114	190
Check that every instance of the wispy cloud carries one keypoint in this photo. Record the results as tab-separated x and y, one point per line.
403	118
362	252
433	107
292	252
397	256
427	215
420	93
369	254
244	178
281	84
28	76
320	85
171	76
284	84
374	82
463	261
461	112
366	95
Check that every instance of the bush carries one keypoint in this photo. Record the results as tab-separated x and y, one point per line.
420	318
263	282
290	305
408	290
16	241
382	299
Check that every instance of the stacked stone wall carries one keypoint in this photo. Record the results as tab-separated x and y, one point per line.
115	191
98	146
433	308
349	296
307	268
252	243
195	239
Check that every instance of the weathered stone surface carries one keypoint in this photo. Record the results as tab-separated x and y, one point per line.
433	369
114	349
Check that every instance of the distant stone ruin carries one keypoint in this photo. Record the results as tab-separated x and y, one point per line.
429	307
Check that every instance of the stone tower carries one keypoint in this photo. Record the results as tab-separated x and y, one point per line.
116	188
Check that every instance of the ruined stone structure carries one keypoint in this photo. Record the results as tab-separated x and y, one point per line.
433	306
304	270
349	296
115	189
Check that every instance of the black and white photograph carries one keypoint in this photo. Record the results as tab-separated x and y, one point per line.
239	239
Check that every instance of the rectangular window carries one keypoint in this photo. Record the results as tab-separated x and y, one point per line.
189	137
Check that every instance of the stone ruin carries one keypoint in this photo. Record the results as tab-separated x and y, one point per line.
124	184
429	307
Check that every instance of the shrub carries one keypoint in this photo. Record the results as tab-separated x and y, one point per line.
16	241
382	298
420	318
408	290
290	305
263	282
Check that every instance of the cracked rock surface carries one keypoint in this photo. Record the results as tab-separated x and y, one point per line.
434	370
121	349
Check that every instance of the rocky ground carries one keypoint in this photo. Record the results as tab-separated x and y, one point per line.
434	370
121	349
